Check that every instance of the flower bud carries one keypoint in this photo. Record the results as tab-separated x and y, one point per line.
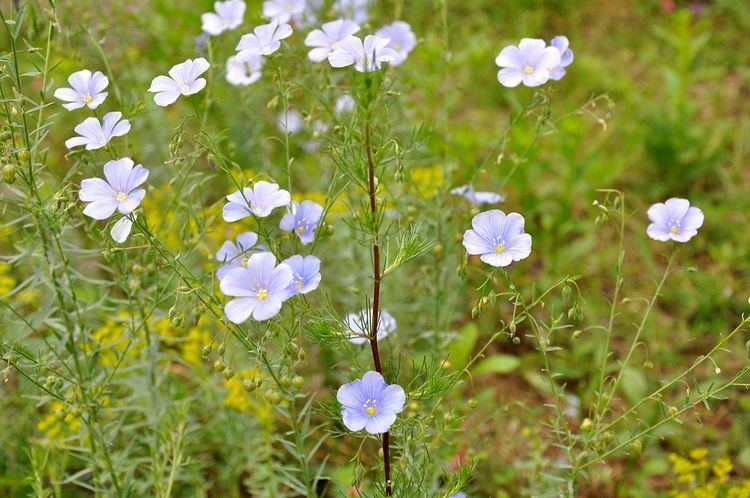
23	155
298	381
608	437
516	340
206	351
249	385
228	373
221	349
577	334
673	411
219	366
273	397
636	447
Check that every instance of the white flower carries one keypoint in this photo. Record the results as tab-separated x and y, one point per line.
326	40
228	16
263	198
289	121
121	229
529	63
243	73
401	39
282	11
95	134
183	79
264	40
345	103
86	90
119	192
366	57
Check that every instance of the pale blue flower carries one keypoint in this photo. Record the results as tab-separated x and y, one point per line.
86	89
366	56
460	494
259	288
233	255
282	11
370	404
95	134
302	219
477	198
183	79
227	16
529	63
306	271
264	40
353	9
359	325
119	192
400	38
562	44
675	220
244	72
325	40
498	238
261	200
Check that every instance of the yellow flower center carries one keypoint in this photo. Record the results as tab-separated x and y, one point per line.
674	230
302	229
397	47
528	69
184	88
499	249
87	98
371	410
122	197
262	294
244	261
298	285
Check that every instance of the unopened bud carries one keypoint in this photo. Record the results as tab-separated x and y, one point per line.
586	425
219	366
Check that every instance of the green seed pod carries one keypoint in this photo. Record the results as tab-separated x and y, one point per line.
636	447
286	381
298	381
206	351
221	349
273	397
586	425
9	173
472	403
608	437
60	414
516	340
219	366
228	373
23	156
249	385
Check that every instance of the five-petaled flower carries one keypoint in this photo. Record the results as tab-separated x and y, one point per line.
366	57
306	271
326	40
282	11
244	72
359	325
119	192
477	198
236	255
95	134
227	16
562	44
529	63
259	288
675	220
498	238
370	404
86	90
260	200
264	40
183	79
400	38
302	219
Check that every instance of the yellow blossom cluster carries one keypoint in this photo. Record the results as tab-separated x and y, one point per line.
697	476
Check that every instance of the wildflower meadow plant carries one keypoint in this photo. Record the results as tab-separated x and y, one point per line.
309	290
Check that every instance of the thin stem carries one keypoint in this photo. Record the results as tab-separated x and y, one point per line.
376	276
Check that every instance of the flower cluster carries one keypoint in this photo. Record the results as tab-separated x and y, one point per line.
119	191
249	272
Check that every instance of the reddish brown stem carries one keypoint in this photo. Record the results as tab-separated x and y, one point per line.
376	295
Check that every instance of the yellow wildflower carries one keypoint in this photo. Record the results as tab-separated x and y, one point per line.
428	181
